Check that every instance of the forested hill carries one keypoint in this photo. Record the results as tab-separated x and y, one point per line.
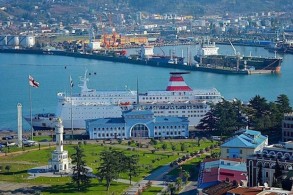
186	7
200	7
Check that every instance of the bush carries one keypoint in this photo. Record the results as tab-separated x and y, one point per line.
154	160
153	151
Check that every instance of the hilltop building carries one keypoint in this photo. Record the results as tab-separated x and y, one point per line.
137	124
241	146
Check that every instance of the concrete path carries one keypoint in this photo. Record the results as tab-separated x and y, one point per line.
156	177
189	189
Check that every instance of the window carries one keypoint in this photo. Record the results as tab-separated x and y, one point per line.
227	150
240	151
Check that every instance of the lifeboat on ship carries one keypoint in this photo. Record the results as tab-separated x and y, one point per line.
124	103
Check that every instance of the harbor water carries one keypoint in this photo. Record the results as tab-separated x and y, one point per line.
52	72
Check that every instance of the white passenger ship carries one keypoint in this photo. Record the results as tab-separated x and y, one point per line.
177	100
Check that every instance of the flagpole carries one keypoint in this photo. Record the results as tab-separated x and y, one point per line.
31	114
71	112
32	83
71	86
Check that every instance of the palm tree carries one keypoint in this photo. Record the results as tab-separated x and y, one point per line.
178	182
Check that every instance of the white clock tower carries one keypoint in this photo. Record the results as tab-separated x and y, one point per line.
60	160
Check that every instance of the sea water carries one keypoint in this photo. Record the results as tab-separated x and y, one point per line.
52	72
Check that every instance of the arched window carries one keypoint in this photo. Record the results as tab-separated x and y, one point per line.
139	130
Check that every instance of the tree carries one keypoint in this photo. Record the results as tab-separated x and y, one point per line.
186	176
215	155
173	147
259	175
277	175
208	122
278	172
131	166
111	166
171	188
79	176
7	168
164	146
182	147
283	104
178	182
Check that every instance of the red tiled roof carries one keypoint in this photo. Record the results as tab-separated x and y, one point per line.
246	191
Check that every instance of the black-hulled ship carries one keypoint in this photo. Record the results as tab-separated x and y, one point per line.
208	58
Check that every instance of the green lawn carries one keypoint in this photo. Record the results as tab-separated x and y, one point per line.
149	161
152	191
95	188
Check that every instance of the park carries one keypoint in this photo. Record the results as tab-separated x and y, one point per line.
181	155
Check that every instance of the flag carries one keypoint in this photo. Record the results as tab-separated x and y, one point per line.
71	81
32	82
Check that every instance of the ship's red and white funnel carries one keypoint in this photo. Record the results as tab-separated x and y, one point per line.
177	83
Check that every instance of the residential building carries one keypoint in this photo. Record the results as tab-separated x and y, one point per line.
213	172
243	145
137	124
287	127
267	159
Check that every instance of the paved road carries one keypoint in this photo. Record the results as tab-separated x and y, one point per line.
189	189
156	177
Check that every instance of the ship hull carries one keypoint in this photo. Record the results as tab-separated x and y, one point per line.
257	63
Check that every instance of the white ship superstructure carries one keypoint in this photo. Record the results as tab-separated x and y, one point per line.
177	100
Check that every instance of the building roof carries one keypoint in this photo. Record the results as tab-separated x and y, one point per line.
245	190
219	189
257	191
106	121
248	139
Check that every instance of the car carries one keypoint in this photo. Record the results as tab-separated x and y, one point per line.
28	143
2	146
7	137
11	144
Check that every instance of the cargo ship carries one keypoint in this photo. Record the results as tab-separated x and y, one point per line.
209	58
285	47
